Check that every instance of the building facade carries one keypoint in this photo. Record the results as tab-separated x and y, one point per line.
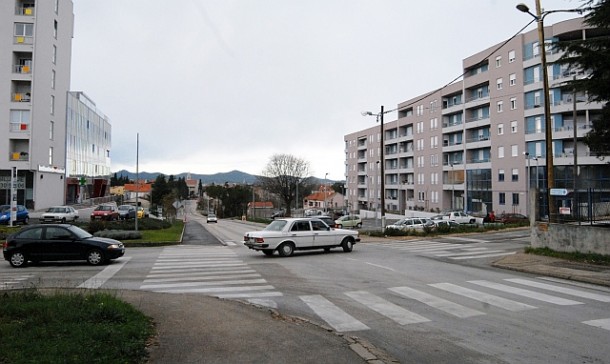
479	144
35	57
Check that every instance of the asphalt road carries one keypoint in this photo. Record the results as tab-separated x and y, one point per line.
430	300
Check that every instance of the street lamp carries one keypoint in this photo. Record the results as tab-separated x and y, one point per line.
382	195
324	190
527	185
539	16
452	186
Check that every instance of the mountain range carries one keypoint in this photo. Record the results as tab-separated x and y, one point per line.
217	178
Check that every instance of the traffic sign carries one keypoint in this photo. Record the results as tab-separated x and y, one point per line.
559	192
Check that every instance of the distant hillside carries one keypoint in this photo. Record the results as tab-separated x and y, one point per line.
218	178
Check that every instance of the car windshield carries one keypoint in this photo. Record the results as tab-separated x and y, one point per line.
124	207
276	225
55	209
104	208
4	208
80	233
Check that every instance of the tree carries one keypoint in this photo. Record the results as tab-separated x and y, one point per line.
281	176
591	56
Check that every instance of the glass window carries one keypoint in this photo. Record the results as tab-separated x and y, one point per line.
513	126
513	103
512	79
511	56
500	129
50	156
499	83
24	29
515	150
499	106
498	61
501	175
515	175
515	199
502	198
500	152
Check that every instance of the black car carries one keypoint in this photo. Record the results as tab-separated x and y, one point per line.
54	242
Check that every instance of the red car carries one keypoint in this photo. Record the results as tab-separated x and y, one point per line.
514	219
105	212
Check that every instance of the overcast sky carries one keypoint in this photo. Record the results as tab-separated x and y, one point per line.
219	85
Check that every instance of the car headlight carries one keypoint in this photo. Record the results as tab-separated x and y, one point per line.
113	246
4	217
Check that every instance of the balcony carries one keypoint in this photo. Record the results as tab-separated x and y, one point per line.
23	69
19	127
23	39
21	97
27	10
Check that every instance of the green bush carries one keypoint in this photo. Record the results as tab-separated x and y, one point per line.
119	234
143	224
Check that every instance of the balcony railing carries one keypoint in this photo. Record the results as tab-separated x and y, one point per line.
28	11
18	68
23	39
19	156
21	97
19	127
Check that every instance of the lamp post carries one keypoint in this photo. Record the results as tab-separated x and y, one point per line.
381	158
324	191
527	185
548	130
452	186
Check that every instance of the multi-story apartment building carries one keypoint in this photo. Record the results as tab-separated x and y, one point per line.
35	57
479	143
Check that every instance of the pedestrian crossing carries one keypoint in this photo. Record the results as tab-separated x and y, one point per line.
209	270
473	249
12	280
401	304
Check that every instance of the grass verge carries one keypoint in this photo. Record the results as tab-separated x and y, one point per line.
71	328
590	258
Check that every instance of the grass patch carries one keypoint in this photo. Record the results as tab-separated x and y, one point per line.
71	328
156	237
590	258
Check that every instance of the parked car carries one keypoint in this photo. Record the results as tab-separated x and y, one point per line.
55	242
279	213
142	212
127	212
512	218
349	221
289	234
60	214
460	217
415	223
328	220
446	223
211	218
22	214
105	212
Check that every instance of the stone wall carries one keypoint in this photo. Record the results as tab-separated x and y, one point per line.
571	238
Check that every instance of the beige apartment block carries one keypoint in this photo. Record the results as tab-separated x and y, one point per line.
478	144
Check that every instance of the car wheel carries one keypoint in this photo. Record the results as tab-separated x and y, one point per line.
347	245
340	226
327	250
17	260
472	221
26	220
359	225
268	252
63	220
95	257
286	249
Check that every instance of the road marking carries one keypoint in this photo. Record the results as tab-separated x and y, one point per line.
217	289
386	308
190	272
201	278
380	266
99	279
466	239
483	256
333	315
527	293
575	283
197	284
483	297
437	302
569	291
603	323
469	252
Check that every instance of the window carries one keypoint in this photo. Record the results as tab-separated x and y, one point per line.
499	106
498	61
501	175
515	199
51	130
53	79
515	150
499	83
52	105
513	103
54	55
500	129
511	56
500	152
55	29
24	29
20	116
515	175
512	79
56	6
502	198
513	126
433	124
50	156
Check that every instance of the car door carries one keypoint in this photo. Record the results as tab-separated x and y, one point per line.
32	243
322	234
301	233
62	244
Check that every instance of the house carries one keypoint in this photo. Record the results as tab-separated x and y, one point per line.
324	199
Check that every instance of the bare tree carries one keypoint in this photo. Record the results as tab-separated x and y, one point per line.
282	175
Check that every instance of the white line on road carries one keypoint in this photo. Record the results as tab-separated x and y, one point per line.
386	308
99	279
603	323
212	290
569	291
483	297
437	302
466	239
197	284
527	293
483	256
333	315
201	278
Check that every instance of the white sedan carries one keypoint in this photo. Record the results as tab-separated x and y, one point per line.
61	214
290	234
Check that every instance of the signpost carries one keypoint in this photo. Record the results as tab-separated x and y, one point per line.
559	192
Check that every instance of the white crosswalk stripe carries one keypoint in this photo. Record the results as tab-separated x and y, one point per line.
333	315
215	271
527	293
474	249
564	290
8	281
602	323
483	297
388	309
437	302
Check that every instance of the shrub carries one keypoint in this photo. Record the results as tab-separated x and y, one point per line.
119	234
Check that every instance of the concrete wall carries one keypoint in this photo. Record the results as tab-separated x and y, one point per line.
571	238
